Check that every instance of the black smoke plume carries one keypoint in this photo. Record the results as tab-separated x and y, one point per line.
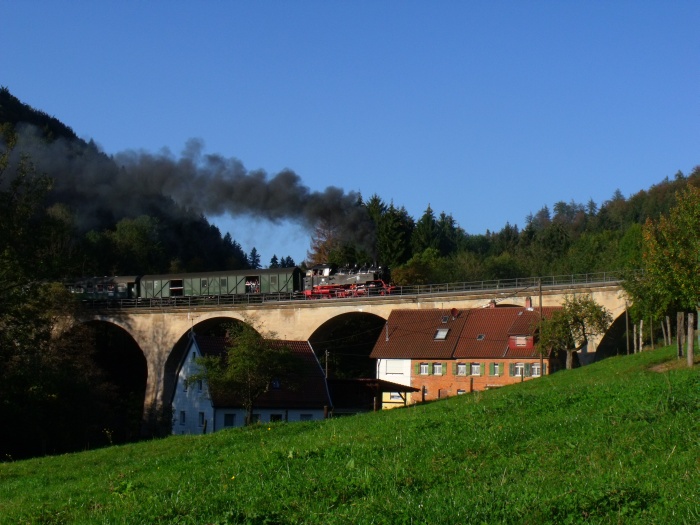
132	183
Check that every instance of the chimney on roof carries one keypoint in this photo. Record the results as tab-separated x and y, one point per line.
492	304
528	303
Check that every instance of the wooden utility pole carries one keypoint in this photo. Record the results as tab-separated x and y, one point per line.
663	331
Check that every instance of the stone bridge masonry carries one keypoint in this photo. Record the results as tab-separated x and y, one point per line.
157	331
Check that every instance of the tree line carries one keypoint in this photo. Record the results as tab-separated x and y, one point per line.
572	238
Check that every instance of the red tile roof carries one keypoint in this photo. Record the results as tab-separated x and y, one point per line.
310	393
481	333
412	334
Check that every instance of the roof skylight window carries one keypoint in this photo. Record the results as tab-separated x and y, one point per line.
480	337
441	334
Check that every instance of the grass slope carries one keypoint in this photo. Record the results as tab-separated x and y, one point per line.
614	442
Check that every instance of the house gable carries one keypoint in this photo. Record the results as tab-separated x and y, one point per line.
193	412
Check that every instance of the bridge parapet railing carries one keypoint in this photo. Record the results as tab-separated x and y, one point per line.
523	283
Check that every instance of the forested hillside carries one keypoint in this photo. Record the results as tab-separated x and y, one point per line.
104	226
118	216
570	238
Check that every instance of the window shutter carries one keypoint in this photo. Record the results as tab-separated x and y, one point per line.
444	369
528	370
483	369
454	368
492	369
416	368
511	369
468	367
503	368
544	369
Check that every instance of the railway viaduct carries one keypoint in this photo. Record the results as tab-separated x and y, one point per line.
161	332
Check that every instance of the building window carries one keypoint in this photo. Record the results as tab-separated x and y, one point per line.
201	419
495	369
395	396
199	385
437	369
229	420
521	341
306	417
182	417
460	392
461	369
519	369
275	384
441	334
194	355
393	366
184	385
476	369
424	369
536	371
275	418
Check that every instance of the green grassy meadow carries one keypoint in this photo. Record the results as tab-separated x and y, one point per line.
614	442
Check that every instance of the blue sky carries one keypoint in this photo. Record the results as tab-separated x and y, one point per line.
487	110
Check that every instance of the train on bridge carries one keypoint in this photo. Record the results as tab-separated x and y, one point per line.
323	281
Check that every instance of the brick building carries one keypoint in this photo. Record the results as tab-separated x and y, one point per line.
450	352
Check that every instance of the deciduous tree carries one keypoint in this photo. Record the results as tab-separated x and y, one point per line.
251	363
569	329
670	252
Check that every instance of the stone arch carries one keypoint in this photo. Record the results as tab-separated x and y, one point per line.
614	341
123	366
206	325
343	344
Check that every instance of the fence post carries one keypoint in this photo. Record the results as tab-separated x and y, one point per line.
691	339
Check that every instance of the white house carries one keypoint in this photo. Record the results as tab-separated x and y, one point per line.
197	411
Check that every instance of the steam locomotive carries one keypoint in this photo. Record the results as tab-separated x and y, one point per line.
320	281
326	281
